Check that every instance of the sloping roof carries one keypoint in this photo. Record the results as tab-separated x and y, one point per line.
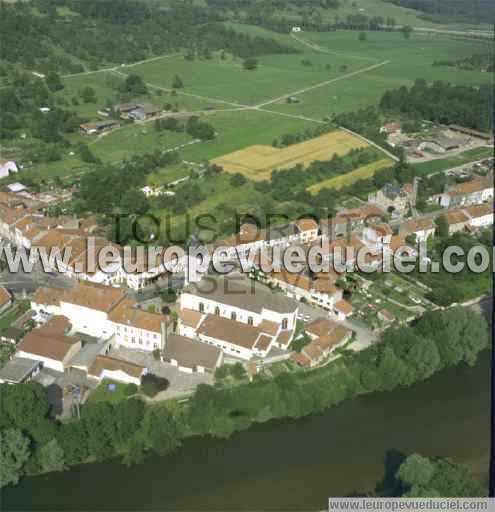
230	331
270	328
48	296
102	363
5	297
419	224
126	313
306	224
47	345
242	293
455	217
94	296
190	318
263	342
344	307
397	241
18	369
479	210
297	280
321	326
191	353
470	187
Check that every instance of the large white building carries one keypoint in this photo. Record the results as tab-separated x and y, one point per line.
103	312
241	317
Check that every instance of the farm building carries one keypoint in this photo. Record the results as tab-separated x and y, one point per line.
143	111
97	127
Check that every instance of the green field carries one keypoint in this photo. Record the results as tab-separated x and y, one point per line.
408	60
216	84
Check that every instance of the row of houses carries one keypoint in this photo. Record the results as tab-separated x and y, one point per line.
476	191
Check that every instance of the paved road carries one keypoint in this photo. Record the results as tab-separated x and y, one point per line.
22	283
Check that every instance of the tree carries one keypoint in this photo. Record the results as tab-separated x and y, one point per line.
14	453
177	82
415	470
222	372
237	179
134	85
406	31
161	432
74	442
411	240
53	81
250	64
88	95
442	227
238	371
87	155
362	36
151	384
50	457
128	414
134	201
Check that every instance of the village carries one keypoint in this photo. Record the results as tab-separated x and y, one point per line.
99	330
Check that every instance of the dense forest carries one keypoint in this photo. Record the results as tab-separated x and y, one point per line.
443	103
32	442
478	11
42	36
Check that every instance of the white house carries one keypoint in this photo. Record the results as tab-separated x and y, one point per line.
480	215
50	345
296	29
422	227
7	167
479	190
102	312
240	299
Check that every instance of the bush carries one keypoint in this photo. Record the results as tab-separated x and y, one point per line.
130	389
151	384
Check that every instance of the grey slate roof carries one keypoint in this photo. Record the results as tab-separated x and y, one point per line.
242	293
190	353
18	369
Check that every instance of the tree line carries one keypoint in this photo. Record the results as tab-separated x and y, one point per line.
33	442
443	103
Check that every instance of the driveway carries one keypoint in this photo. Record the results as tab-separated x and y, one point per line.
181	384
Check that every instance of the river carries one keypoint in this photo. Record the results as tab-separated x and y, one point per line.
283	465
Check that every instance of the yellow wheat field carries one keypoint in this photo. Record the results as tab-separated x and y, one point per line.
257	162
361	173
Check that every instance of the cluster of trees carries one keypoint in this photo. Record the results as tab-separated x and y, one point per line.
423	477
112	189
121	32
32	442
20	106
480	62
291	184
478	11
406	355
293	138
194	126
447	288
443	103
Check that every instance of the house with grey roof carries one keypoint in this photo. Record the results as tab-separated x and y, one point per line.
191	356
19	370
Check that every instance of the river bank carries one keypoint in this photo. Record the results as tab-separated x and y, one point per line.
288	464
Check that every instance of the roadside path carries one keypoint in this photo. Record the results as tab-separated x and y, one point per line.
322	84
391	155
321	49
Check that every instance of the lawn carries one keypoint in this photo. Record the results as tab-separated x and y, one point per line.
443	164
257	162
408	60
12	314
244	128
103	394
364	172
227	80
